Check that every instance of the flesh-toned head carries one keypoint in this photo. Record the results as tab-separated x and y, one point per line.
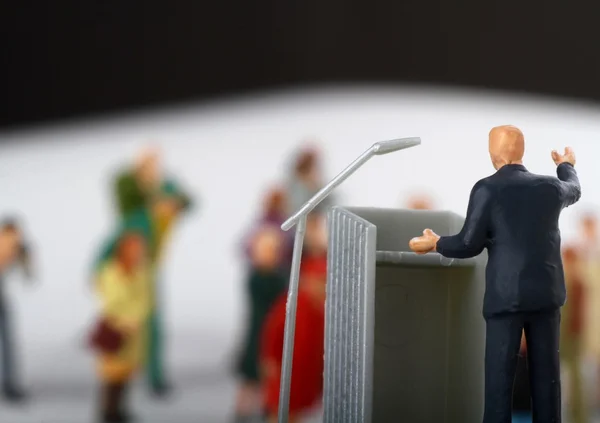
149	154
266	248
570	254
10	244
131	249
315	238
275	202
420	202
307	162
507	145
147	165
589	227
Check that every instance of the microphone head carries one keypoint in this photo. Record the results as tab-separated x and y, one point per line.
385	147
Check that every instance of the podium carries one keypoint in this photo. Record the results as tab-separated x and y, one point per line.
404	335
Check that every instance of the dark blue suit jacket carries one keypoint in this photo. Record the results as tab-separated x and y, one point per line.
514	214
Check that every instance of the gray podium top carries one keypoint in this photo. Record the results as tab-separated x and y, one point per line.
398	226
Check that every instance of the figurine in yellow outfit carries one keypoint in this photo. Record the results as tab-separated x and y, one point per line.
145	194
123	286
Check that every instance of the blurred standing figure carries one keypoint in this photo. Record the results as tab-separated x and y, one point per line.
420	202
307	371
590	262
306	181
571	335
123	287
265	284
12	251
145	190
274	213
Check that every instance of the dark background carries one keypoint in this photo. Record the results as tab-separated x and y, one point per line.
68	59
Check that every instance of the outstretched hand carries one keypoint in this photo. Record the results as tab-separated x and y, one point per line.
567	157
424	244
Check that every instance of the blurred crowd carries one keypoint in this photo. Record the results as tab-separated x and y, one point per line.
127	337
268	252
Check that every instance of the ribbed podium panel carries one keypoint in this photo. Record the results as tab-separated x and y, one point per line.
349	318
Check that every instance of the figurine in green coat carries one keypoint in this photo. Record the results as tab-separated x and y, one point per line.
143	195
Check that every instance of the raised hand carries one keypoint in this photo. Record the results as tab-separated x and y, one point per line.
424	244
567	157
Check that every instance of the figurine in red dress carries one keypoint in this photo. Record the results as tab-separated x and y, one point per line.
307	372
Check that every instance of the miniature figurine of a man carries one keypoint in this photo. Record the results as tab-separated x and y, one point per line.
514	214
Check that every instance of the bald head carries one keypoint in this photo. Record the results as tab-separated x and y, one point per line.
148	155
507	145
420	202
147	166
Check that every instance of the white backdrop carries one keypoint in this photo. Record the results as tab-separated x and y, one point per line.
226	154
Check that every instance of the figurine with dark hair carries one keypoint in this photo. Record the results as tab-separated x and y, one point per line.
12	251
118	339
514	214
305	181
274	213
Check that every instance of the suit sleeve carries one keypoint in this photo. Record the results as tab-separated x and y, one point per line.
471	240
570	190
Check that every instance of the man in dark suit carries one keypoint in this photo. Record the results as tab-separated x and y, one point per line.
514	214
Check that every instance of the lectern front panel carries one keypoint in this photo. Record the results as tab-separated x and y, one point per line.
348	375
413	340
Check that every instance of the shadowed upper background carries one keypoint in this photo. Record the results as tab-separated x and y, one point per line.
85	57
